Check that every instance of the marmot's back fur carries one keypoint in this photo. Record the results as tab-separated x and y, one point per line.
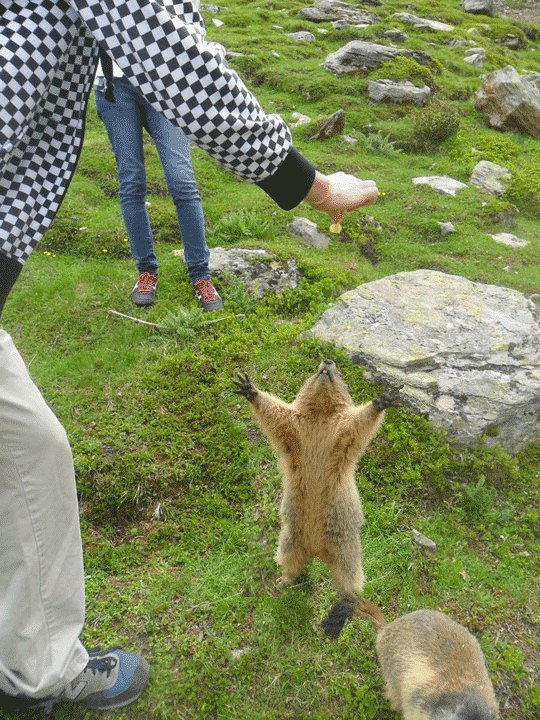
319	439
432	666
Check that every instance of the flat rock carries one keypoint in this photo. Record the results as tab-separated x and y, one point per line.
398	92
362	54
442	184
475	56
423	23
490	177
332	10
510	240
301	36
306	230
511	101
260	270
467	353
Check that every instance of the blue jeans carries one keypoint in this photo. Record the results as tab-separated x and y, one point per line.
124	121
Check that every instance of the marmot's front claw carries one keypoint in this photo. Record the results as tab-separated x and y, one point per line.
244	386
389	398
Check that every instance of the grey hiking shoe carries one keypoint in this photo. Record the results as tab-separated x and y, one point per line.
207	295
144	291
111	679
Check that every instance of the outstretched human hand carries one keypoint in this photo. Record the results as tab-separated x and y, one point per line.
340	193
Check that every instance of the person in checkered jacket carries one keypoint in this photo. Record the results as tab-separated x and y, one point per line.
47	64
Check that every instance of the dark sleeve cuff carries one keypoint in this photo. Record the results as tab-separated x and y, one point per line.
291	182
9	272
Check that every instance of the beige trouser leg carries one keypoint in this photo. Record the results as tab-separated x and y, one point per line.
41	571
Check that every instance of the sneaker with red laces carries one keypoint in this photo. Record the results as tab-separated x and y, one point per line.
207	295
144	291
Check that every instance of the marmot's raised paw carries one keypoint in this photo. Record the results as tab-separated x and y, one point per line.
389	398
244	386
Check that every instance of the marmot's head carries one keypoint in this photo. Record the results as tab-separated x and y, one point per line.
467	704
325	392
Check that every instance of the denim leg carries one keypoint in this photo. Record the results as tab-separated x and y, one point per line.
175	154
123	120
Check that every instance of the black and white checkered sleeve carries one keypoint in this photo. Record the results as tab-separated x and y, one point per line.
47	64
160	46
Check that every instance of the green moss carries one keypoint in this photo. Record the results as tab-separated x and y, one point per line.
524	190
490	145
403	68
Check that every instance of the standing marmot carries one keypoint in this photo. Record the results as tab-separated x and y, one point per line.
432	666
319	438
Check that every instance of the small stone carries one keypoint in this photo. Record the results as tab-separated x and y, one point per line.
302	36
423	542
306	230
396	35
446	228
217	23
349	139
239	652
332	125
299	119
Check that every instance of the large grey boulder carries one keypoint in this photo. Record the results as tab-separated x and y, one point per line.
398	92
260	271
480	7
361	54
468	354
490	178
511	101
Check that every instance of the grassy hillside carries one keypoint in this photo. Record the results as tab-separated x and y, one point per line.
180	493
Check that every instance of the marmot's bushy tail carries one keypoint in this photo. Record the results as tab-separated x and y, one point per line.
347	608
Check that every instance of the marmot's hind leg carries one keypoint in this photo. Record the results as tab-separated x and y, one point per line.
345	563
291	557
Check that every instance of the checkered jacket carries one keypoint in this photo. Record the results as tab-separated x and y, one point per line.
48	58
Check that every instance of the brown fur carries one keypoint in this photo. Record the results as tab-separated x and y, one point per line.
319	439
432	666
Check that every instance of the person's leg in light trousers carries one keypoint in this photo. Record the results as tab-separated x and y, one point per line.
41	569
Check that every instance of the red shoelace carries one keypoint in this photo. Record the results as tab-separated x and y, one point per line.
146	282
205	290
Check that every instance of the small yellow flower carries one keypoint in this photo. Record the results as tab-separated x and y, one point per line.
104	250
46	252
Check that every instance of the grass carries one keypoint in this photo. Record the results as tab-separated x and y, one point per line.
179	493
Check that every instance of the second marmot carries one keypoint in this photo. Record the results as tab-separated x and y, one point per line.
319	439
